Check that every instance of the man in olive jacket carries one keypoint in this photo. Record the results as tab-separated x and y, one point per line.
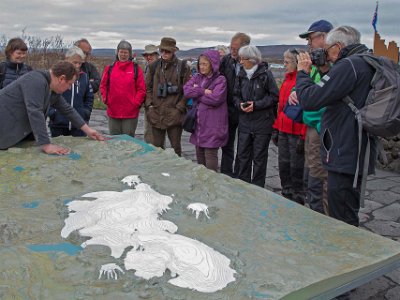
165	103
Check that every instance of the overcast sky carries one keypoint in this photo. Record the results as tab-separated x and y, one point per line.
201	23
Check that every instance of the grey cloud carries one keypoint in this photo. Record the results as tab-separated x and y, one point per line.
192	23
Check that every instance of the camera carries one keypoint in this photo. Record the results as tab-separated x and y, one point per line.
245	104
164	89
318	57
172	89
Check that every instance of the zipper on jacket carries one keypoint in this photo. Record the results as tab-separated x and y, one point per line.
327	135
72	104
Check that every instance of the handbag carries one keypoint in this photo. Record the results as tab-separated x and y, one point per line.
293	112
189	122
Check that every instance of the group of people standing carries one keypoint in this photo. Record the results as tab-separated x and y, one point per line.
234	95
230	93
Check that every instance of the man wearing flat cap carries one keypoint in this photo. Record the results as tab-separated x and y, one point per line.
315	174
150	54
165	103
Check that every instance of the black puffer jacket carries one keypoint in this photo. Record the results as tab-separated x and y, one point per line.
263	91
12	71
350	75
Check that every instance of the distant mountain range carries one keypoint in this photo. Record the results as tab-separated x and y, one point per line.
271	52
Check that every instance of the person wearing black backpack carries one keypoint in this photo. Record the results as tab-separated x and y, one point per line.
123	90
14	66
350	76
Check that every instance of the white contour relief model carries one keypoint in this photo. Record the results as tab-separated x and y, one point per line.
110	271
198	208
131	218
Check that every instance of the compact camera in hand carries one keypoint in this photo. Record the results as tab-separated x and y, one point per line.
245	104
166	88
318	57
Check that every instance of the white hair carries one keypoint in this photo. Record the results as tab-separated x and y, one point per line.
251	53
222	48
346	35
75	50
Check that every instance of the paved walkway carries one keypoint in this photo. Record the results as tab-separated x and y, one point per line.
381	214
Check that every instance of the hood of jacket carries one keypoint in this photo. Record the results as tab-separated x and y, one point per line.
352	49
214	58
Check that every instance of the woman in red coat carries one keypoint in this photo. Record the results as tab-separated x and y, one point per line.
123	92
290	138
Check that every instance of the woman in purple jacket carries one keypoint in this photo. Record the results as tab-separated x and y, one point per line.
208	90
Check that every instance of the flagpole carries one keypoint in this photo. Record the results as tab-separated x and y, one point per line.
374	21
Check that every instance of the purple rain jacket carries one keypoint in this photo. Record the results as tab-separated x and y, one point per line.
212	110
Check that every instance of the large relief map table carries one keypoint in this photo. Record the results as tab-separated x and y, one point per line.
276	248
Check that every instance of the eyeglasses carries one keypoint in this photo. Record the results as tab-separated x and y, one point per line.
243	58
326	50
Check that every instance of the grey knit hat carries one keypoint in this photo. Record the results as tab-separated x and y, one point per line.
124	45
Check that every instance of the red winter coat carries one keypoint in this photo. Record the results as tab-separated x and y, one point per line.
282	122
125	96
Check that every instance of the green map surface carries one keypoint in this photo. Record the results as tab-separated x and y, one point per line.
277	248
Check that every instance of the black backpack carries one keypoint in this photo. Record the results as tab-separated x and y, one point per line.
380	116
135	76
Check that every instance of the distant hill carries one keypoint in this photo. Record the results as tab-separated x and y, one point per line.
270	52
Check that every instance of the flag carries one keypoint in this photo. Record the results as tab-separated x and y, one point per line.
375	18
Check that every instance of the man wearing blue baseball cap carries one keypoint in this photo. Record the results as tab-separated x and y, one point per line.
315	175
321	26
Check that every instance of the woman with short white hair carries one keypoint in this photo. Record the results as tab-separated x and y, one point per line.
80	97
256	98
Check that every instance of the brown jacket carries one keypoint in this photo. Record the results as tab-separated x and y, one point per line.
164	112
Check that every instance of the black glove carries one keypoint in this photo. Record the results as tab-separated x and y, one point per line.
275	137
300	146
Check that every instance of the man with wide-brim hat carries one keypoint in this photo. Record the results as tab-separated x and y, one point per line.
150	53
169	44
165	104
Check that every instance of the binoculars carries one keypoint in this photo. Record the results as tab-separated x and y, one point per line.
166	88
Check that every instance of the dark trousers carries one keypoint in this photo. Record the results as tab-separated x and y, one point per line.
228	152
253	157
291	167
207	157
174	135
343	199
66	132
122	126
